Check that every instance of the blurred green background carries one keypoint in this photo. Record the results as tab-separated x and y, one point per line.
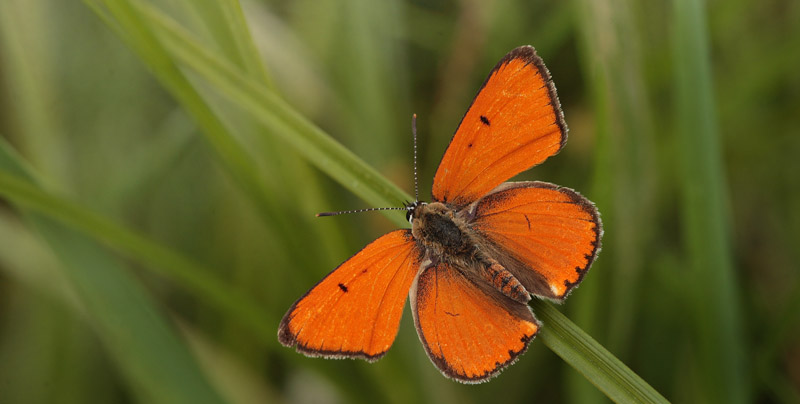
157	214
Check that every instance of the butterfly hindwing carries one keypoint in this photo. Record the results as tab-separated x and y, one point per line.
514	123
355	311
470	332
546	235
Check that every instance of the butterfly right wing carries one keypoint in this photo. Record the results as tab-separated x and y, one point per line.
514	123
470	332
355	311
547	236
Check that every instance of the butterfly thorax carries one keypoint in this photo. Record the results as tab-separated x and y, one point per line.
446	236
441	232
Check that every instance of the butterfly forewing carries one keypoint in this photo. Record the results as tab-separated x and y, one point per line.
355	311
469	332
546	235
514	123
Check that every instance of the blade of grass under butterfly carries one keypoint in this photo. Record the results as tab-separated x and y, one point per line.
598	365
155	362
717	317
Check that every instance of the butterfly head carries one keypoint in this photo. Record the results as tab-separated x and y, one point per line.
411	209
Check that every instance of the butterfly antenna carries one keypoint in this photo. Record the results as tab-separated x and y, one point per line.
416	183
414	131
355	211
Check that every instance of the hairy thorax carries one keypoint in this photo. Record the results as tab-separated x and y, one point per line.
445	236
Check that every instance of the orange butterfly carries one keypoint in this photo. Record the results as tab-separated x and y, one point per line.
476	254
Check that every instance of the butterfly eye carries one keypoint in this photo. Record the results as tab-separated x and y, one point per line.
410	208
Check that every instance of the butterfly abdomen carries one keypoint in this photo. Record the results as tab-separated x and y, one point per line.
505	282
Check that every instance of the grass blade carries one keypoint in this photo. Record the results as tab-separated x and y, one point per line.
282	120
141	340
173	266
719	349
598	365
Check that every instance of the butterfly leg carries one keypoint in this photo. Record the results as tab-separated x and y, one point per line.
505	282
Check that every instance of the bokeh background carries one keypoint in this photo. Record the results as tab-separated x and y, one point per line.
154	228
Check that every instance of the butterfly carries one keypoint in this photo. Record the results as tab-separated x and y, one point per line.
476	254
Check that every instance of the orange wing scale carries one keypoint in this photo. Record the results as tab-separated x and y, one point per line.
514	123
470	333
355	311
553	231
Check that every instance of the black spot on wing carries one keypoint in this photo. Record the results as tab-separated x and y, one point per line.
343	288
485	120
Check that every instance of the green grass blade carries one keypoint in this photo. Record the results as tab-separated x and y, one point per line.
240	159
229	28
164	261
234	155
623	174
282	120
720	345
139	337
598	365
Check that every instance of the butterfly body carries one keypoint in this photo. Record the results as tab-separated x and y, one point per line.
476	254
445	235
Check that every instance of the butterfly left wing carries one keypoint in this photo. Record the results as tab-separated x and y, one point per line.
470	332
355	311
545	235
514	123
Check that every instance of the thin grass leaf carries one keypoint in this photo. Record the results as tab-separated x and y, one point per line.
281	120
229	27
235	158
717	317
598	365
163	261
623	179
141	340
